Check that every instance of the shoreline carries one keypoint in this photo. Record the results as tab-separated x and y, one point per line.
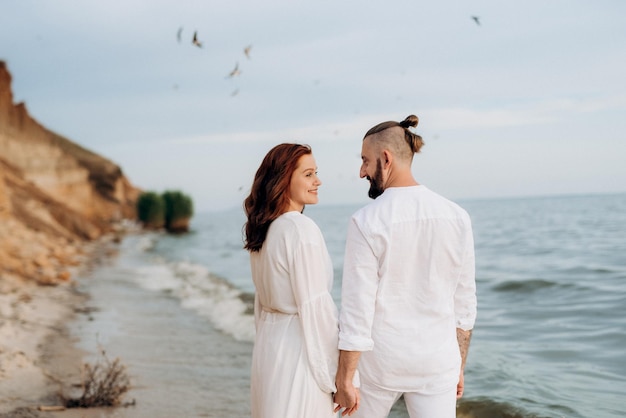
192	369
39	358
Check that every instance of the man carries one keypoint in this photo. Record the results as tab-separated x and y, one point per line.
408	292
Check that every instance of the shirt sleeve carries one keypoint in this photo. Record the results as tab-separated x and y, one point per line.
465	294
317	311
358	292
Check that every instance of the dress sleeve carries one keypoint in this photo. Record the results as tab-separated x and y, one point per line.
465	294
358	292
257	310
317	311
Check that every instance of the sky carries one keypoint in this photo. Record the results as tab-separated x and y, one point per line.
528	101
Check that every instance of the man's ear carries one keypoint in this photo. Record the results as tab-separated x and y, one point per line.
387	159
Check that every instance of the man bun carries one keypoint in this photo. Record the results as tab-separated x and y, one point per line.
415	141
410	121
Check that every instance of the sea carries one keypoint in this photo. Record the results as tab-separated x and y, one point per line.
549	341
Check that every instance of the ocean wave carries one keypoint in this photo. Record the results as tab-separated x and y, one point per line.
524	285
146	242
595	271
229	309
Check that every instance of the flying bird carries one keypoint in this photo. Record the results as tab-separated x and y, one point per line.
179	34
234	72
246	51
476	19
234	93
195	40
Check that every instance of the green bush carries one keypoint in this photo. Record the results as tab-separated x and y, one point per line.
178	211
171	210
151	210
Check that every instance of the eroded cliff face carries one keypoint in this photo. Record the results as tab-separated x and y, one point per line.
54	194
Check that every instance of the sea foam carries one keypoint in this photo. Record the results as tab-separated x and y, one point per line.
203	292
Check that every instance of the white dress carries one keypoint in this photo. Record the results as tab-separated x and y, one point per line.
295	351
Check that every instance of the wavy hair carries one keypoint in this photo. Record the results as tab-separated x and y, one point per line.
269	196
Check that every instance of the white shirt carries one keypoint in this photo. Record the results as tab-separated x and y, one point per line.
408	283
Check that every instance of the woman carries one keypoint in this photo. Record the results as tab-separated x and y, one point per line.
295	351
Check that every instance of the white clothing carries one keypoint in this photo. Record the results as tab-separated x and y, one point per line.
408	283
295	352
377	403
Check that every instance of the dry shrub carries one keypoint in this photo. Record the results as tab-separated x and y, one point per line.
103	384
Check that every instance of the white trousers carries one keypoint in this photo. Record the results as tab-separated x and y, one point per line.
377	403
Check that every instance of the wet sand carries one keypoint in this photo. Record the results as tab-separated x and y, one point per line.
178	363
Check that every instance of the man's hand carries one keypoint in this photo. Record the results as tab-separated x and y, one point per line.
463	337
460	386
347	399
347	396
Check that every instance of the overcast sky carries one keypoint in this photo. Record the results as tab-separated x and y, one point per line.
531	100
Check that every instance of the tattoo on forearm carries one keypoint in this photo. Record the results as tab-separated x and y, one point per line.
463	337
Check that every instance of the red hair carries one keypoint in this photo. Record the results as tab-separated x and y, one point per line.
269	196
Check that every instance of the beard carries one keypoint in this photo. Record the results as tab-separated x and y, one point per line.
376	183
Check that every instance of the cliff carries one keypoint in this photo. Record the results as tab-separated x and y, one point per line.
54	195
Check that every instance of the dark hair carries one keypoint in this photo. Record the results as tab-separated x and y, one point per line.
269	196
413	140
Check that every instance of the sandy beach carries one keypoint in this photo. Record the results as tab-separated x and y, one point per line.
38	356
47	333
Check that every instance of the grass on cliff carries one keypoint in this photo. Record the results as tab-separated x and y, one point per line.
103	384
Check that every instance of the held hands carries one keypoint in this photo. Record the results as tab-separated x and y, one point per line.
347	399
